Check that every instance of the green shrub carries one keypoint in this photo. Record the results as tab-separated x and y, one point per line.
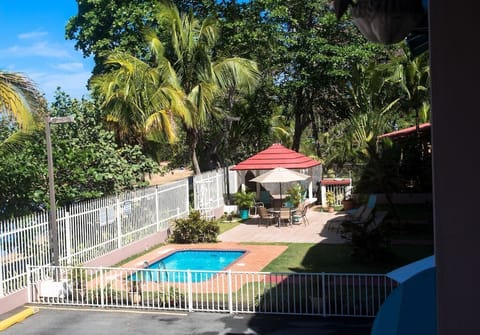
195	229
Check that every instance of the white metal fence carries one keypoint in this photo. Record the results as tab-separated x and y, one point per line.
210	190
87	230
326	294
340	191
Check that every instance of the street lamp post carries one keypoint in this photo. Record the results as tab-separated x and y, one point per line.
54	249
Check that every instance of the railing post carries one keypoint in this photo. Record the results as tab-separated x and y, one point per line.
230	293
324	298
1	279
324	194
119	224
68	238
187	198
29	284
190	291
102	296
157	210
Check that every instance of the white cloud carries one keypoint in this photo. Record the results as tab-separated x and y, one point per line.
32	35
71	67
40	49
74	84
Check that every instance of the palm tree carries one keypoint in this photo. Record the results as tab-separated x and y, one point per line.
142	100
20	102
182	79
202	77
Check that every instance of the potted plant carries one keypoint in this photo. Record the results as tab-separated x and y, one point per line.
294	195
244	201
330	201
348	203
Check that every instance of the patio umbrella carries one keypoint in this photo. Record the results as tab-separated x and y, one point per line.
411	307
280	175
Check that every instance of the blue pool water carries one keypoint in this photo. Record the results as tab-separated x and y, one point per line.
203	263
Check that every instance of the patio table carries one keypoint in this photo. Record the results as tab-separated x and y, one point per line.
276	213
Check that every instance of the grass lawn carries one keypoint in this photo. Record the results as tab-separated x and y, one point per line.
227	225
309	257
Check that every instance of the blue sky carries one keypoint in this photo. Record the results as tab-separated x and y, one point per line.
33	42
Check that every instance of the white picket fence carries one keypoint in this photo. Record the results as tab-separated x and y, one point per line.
87	230
325	294
340	191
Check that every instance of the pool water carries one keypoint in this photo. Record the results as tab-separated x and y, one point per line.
203	263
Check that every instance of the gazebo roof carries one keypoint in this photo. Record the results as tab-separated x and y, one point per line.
398	134
276	156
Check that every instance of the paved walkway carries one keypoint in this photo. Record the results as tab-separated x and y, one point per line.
314	232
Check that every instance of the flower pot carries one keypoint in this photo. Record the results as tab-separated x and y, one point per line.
331	209
244	213
347	204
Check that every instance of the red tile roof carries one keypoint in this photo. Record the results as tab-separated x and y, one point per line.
335	182
276	156
406	131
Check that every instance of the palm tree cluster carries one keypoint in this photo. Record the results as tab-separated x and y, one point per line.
178	85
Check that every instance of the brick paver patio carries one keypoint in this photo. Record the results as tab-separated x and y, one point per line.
314	232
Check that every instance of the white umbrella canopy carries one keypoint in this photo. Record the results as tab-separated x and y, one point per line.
280	175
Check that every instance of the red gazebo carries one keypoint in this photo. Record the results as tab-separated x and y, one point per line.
275	156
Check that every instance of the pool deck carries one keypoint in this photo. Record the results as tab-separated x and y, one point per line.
255	259
257	256
314	232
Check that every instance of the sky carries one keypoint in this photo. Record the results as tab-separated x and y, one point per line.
33	43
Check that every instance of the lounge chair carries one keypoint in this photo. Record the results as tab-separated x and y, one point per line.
336	223
352	230
372	201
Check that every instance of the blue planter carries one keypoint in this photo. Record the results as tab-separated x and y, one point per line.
244	213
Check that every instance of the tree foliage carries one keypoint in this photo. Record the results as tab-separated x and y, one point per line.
183	78
21	104
87	162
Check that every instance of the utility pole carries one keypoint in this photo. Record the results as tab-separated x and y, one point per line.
52	219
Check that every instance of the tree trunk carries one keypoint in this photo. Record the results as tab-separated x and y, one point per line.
302	117
192	138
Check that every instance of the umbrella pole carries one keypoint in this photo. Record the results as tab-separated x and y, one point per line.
281	201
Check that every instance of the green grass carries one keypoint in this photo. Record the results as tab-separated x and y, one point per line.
412	231
409	212
227	225
309	257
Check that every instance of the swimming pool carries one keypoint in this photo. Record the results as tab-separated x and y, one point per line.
203	264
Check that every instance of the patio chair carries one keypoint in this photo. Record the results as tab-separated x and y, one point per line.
265	217
301	214
285	216
254	214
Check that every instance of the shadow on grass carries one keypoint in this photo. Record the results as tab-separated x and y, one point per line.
337	258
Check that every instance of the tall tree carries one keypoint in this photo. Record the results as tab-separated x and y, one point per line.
316	53
88	162
188	57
